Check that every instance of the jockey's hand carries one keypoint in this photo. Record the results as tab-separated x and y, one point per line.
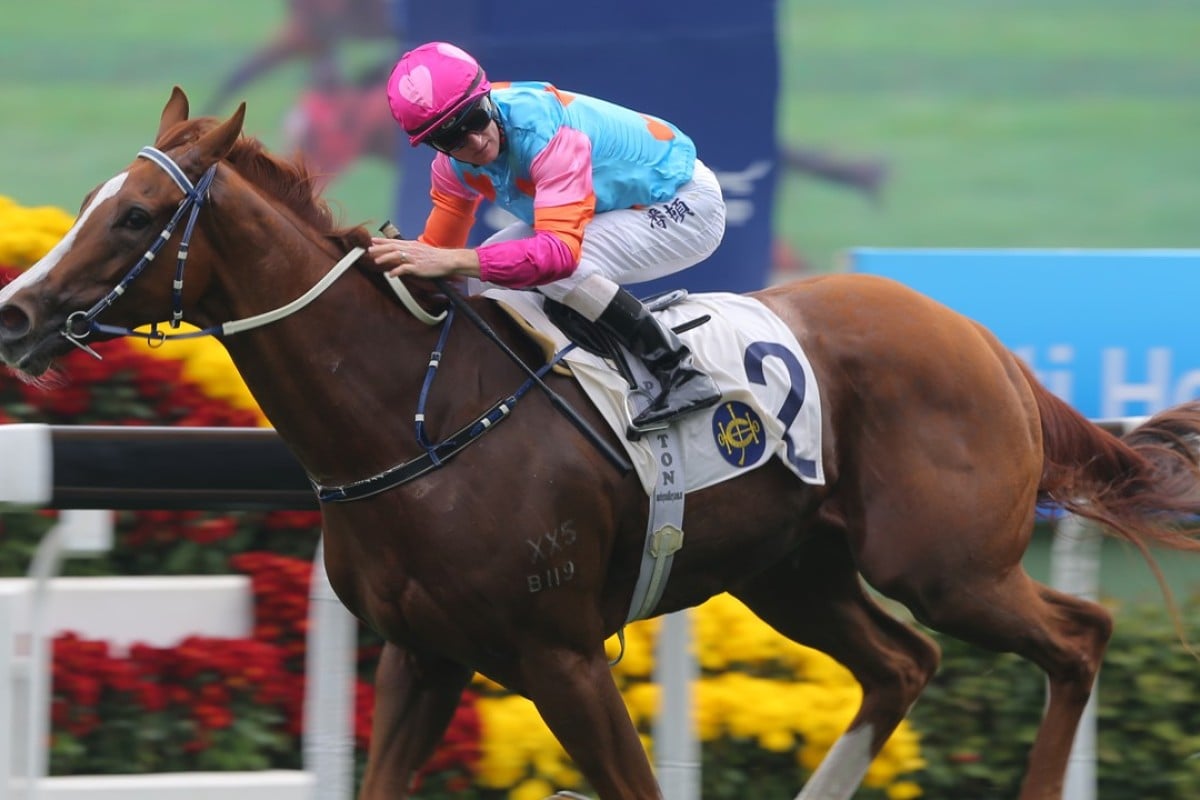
401	257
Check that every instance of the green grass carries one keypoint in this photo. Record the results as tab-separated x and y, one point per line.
1069	123
1057	123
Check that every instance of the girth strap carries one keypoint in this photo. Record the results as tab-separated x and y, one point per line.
664	523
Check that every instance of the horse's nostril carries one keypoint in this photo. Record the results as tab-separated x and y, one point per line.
13	321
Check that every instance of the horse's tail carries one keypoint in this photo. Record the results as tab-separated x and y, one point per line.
1140	486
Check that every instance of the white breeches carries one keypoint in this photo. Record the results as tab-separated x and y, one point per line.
632	245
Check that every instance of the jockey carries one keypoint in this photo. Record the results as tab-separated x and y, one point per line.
604	195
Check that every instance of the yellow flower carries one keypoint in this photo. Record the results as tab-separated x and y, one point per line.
707	716
903	790
27	234
532	789
777	741
485	682
641	639
516	745
206	362
642	700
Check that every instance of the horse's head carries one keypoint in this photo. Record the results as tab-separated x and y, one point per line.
131	233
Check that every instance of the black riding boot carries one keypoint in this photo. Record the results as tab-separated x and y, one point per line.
684	388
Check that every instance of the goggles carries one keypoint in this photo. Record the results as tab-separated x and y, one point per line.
452	134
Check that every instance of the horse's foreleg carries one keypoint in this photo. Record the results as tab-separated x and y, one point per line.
817	600
415	699
575	694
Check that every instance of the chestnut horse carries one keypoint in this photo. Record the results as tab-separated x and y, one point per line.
938	444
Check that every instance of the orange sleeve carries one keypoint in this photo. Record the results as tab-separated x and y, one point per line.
450	220
566	222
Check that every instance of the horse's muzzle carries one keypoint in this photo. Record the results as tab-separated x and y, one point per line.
20	348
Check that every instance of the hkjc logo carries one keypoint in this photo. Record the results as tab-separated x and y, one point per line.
738	432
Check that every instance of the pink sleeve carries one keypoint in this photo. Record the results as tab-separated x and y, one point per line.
562	171
563	205
521	263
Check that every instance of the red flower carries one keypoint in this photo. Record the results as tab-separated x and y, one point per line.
83	724
213	717
210	531
120	675
364	712
151	696
202	741
282	520
84	690
60	712
215	694
179	695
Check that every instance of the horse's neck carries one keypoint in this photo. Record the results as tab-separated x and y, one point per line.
341	380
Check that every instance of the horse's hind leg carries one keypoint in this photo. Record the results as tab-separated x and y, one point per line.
1064	635
415	700
816	599
1071	660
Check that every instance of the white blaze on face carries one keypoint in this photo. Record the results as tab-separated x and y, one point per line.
48	262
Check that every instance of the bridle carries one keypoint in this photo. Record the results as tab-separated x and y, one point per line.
81	324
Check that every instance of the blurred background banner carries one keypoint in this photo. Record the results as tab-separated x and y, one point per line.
1105	330
709	66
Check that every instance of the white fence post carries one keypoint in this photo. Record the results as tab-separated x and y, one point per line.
77	531
330	666
1075	569
677	753
7	677
37	706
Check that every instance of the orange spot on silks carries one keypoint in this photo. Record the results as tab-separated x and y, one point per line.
481	184
566	98
501	84
658	129
526	186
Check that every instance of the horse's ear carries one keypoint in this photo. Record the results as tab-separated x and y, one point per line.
175	111
216	144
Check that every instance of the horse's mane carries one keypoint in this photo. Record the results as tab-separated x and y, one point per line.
286	180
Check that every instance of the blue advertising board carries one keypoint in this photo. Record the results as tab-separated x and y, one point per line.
709	66
1112	332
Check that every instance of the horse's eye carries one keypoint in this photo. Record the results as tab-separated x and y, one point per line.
136	219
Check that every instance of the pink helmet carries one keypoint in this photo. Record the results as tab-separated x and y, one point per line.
429	84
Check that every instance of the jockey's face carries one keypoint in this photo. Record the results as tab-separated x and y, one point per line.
480	147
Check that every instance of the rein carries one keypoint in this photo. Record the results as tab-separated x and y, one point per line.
435	455
614	456
81	324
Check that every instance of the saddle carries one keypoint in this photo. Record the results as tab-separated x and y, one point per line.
771	402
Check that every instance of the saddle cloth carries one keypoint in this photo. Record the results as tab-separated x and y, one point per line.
770	402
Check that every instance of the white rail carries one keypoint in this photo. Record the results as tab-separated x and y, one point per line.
28	476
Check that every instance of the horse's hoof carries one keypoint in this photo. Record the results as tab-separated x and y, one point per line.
566	795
